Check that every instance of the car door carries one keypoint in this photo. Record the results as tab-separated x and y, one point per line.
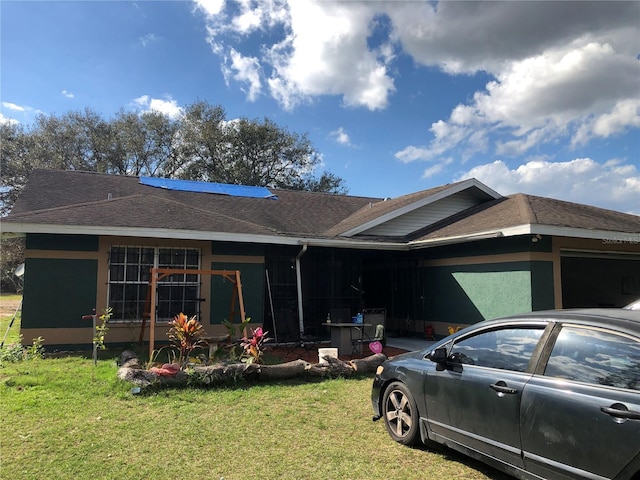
581	412
475	401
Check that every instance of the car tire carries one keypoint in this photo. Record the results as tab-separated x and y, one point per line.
400	414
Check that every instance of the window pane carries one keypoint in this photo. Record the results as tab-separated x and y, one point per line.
116	293
506	349
117	255
597	357
129	276
164	257
117	309
133	255
145	273
177	259
193	259
147	256
132	273
116	273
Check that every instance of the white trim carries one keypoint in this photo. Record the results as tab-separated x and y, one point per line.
532	229
604	235
24	228
525	229
456	239
465	185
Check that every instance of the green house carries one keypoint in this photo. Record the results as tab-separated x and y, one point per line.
447	256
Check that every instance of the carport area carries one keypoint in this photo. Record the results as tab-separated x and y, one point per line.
599	279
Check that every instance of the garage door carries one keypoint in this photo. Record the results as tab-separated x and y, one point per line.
606	280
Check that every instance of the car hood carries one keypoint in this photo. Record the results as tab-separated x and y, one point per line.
409	355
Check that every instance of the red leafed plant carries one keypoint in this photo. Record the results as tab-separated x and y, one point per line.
186	334
253	346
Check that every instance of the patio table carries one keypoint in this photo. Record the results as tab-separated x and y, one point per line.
341	335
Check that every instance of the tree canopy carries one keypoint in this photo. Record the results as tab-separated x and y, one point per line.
200	144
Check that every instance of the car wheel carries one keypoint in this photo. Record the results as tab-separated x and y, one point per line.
400	414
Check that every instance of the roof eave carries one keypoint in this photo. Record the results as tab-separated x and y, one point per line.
606	236
17	229
21	229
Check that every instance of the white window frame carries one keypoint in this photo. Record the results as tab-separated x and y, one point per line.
129	276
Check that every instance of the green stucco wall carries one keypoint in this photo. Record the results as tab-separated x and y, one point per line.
57	292
471	293
252	279
81	243
542	293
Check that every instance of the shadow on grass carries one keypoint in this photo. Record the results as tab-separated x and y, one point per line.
454	456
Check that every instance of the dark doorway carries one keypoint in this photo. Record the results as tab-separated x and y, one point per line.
603	281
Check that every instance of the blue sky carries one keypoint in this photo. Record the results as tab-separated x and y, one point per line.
535	97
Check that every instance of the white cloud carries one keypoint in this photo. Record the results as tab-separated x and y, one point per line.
466	37
625	114
326	53
247	71
67	94
14	107
613	184
8	121
447	137
24	112
552	62
148	39
323	50
210	7
437	168
341	136
167	106
566	91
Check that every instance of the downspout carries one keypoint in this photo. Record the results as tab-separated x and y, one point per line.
299	284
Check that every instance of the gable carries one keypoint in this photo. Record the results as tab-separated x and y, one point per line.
425	215
425	210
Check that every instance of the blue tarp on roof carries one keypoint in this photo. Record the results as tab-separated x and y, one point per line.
208	187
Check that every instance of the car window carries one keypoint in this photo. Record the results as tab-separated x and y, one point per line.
505	348
595	356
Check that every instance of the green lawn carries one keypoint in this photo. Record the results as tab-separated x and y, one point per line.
7	303
64	418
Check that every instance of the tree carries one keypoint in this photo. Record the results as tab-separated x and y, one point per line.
145	142
16	163
198	144
261	153
248	152
12	256
327	182
201	144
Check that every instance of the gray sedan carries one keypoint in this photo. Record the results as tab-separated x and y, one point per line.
544	395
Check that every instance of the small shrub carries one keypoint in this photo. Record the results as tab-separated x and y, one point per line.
101	330
16	352
186	334
253	346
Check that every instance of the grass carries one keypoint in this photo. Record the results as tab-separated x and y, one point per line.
5	318
65	418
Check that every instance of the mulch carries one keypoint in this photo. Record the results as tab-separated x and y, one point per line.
310	353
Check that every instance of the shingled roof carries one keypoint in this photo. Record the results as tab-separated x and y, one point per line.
56	201
521	214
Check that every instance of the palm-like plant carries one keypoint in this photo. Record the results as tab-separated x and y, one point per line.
186	334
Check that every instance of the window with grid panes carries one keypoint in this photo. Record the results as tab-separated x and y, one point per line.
129	275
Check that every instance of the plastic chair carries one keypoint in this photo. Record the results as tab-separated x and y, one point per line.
359	337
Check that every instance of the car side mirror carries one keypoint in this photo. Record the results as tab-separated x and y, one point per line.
439	355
